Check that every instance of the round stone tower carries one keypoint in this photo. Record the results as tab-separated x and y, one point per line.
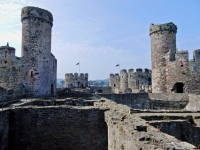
36	50
163	40
123	80
131	79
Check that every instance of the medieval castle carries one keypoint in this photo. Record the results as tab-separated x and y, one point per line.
172	71
35	71
160	111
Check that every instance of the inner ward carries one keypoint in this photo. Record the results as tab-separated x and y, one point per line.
53	124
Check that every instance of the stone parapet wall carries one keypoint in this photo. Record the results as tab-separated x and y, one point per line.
100	89
38	13
171	101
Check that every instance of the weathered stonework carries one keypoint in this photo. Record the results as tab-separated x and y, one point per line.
131	82
172	71
104	121
35	71
76	80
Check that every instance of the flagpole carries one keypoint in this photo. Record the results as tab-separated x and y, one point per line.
119	68
79	67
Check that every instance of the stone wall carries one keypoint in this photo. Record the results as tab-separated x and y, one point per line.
10	68
100	89
3	93
182	130
4	129
57	128
171	101
135	101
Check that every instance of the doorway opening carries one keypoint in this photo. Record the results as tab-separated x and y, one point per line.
52	91
178	87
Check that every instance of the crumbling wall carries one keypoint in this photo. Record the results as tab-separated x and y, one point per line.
4	128
172	101
193	104
134	100
57	128
182	130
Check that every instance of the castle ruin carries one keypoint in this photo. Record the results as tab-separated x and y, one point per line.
76	80
35	71
130	82
166	119
172	71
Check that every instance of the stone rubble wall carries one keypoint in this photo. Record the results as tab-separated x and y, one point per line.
130	131
4	129
53	128
166	101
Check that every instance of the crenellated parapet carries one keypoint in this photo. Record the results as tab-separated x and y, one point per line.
76	80
159	28
130	81
36	13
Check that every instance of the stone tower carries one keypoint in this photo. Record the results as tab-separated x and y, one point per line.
131	79
123	80
38	60
163	41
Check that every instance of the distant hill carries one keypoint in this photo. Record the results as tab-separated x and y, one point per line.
59	80
98	81
105	80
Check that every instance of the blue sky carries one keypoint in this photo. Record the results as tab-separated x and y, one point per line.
103	33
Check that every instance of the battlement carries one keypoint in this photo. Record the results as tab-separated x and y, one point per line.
196	55
139	70
182	54
76	75
6	48
171	27
35	12
131	71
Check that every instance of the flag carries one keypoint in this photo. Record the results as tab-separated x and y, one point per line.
77	64
117	65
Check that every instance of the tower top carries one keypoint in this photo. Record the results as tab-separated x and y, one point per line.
35	12
171	27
